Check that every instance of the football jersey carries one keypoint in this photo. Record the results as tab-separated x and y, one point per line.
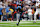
29	11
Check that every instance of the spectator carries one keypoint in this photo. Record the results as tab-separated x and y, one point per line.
4	14
10	14
30	13
0	4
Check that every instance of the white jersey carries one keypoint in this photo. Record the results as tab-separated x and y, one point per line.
27	1
37	4
0	4
37	0
9	0
37	11
29	11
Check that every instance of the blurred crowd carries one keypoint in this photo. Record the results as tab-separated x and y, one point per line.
9	9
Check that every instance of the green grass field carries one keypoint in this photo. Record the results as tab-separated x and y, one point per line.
22	24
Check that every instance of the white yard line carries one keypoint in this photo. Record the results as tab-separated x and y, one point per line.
29	25
9	21
4	22
25	22
7	25
29	22
15	21
33	20
19	25
20	22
